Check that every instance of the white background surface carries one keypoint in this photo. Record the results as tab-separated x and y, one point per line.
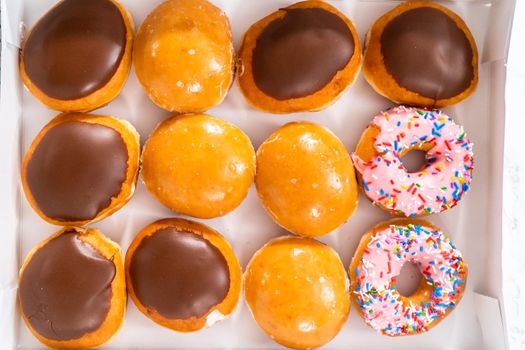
514	186
474	225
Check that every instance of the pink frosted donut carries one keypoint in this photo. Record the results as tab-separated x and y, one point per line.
378	261
438	186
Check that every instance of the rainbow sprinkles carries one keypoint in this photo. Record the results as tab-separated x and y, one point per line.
441	264
441	183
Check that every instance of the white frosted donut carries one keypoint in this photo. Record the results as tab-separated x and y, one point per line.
443	180
378	261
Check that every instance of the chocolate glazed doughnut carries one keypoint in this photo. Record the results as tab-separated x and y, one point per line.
81	168
206	280
421	53
72	290
287	65
87	156
204	275
300	58
78	55
435	76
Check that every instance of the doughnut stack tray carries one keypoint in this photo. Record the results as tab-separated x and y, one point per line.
475	225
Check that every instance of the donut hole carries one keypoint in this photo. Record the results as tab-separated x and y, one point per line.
409	279
414	160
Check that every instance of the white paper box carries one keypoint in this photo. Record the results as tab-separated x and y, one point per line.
474	225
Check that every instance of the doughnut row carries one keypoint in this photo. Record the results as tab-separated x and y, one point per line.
77	57
297	288
182	274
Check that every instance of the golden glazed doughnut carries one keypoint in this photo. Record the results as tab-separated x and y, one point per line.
72	289
198	165
81	168
78	55
300	58
298	291
204	281
377	263
305	179
421	53
184	56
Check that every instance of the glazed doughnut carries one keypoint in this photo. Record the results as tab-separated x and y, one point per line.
298	291
183	275
72	289
81	168
422	54
299	58
378	261
442	181
78	55
305	179
184	55
198	165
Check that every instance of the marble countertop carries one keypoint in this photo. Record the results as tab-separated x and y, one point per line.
514	187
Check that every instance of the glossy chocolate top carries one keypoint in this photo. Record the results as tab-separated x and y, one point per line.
426	52
65	289
179	274
298	54
75	48
76	169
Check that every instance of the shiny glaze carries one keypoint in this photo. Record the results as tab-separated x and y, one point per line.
65	288
198	165
183	55
298	291
305	179
75	48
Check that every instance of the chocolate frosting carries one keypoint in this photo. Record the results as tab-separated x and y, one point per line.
65	289
426	52
75	48
179	274
298	54
76	169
